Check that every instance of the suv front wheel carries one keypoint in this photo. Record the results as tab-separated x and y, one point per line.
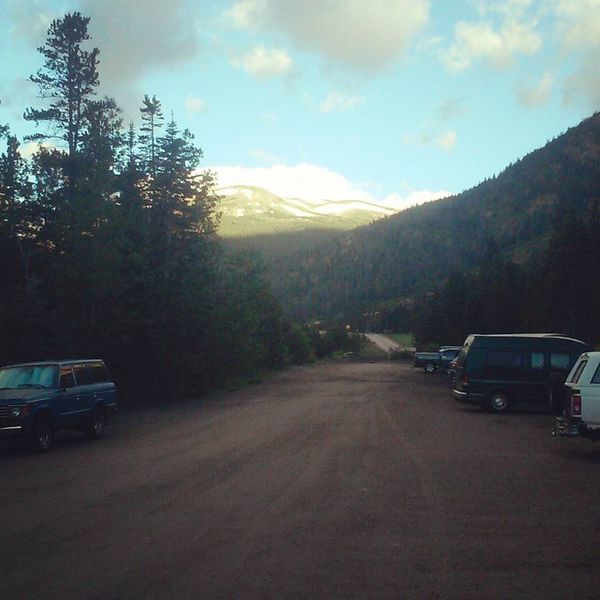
41	435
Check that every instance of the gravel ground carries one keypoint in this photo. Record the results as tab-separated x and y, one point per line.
339	480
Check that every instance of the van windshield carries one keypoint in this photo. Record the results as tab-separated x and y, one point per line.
30	376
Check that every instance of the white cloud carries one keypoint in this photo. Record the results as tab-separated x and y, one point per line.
584	83
446	141
450	108
398	202
360	34
496	44
135	38
314	184
578	26
538	94
248	14
264	62
579	22
305	181
28	149
336	101
194	105
28	21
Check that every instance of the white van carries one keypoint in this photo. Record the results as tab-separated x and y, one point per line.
581	409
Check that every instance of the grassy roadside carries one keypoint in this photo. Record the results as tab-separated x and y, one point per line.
407	340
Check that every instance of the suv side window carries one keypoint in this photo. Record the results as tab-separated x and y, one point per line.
82	375
66	378
98	372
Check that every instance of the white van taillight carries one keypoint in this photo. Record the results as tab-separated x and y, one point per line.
576	404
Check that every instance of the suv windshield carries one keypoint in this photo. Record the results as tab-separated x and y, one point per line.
30	376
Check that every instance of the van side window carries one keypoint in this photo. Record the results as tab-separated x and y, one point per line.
537	360
504	360
596	377
559	360
66	378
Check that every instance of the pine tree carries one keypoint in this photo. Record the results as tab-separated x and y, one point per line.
152	120
184	204
66	83
16	226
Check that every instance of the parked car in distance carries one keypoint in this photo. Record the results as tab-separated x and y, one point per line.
37	399
581	401
433	361
502	371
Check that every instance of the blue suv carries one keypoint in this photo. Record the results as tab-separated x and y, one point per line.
37	399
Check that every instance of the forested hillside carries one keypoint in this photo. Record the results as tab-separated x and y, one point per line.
505	255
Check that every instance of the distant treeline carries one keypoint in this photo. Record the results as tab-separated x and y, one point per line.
519	252
558	292
109	249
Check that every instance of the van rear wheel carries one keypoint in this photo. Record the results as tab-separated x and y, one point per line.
498	402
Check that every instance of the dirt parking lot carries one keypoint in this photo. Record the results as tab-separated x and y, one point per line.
339	480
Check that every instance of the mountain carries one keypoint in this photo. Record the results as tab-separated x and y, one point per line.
251	211
397	258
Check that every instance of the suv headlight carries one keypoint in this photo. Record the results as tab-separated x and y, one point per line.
19	411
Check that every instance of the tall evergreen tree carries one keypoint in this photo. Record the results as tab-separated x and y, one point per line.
152	120
66	83
15	218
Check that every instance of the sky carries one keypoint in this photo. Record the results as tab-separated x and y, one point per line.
396	101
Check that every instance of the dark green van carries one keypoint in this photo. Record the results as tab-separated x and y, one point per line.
504	370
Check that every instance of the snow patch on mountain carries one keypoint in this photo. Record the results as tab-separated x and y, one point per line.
247	210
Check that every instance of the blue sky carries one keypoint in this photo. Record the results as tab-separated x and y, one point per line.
394	100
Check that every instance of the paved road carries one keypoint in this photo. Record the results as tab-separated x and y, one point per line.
383	342
341	480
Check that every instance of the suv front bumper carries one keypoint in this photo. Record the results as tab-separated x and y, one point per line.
7	429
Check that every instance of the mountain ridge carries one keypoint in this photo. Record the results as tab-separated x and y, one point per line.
250	211
413	251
